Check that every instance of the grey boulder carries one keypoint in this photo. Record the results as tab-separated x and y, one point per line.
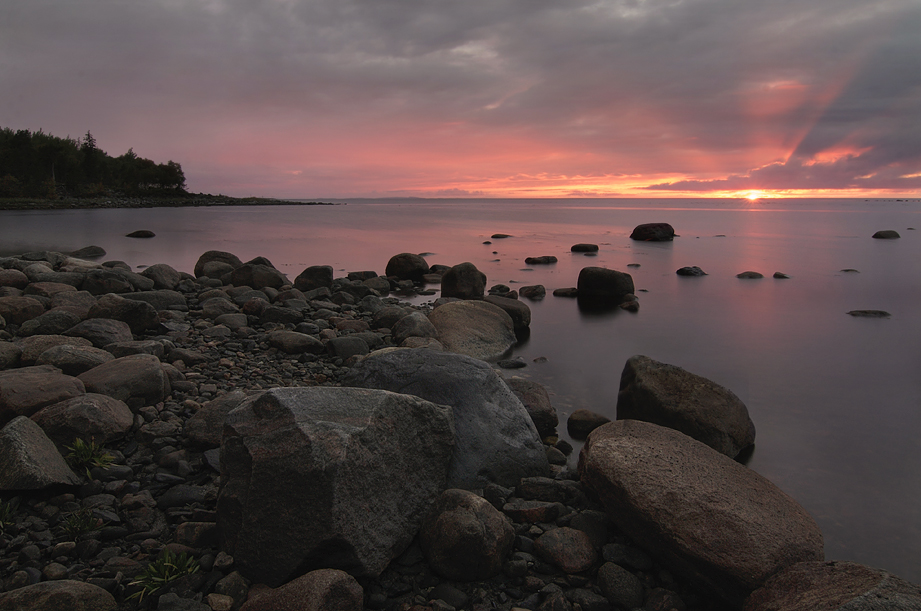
73	360
463	281
328	477
496	439
602	284
138	315
102	331
670	396
702	514
26	390
536	400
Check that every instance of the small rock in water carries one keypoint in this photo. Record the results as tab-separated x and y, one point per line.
887	234
750	275
515	363
633	264
487	242
691	271
870	313
540	359
584	248
499	236
142	233
780	275
542	260
850	270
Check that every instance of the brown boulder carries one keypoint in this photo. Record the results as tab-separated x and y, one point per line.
25	391
705	516
465	538
835	586
217	256
29	460
90	416
463	281
17	310
474	328
138	377
320	590
64	595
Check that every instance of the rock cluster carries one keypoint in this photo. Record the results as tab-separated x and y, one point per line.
311	445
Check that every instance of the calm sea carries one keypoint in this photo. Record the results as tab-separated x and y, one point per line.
836	400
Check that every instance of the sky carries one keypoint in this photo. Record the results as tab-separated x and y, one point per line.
483	98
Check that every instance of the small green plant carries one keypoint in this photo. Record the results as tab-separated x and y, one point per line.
7	512
80	522
87	454
167	567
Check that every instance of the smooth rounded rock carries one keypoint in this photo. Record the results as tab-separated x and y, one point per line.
63	595
88	417
474	328
567	548
599	283
407	266
465	538
702	514
463	281
320	590
653	232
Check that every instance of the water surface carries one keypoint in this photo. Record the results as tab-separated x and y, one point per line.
836	400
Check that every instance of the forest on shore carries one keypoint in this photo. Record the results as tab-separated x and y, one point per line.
39	165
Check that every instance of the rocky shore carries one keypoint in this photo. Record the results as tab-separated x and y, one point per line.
230	438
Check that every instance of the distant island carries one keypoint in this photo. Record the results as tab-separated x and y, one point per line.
39	171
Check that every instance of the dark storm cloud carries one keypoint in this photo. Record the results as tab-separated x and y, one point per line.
698	88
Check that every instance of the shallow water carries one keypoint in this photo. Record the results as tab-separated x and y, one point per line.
836	400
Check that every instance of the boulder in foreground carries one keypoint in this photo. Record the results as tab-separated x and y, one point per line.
835	586
670	396
703	515
496	439
320	590
328	477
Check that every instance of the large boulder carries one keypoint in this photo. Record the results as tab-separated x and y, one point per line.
215	256
34	346
73	360
702	514
465	538
132	379
834	586
10	354
496	440
102	331
13	278
474	328
26	390
258	276
163	299
407	266
17	310
320	590
138	315
29	460
653	232
163	276
314	277
63	595
415	324
104	281
463	281
602	284
670	396
292	342
328	477
52	322
90	416
78	303
536	400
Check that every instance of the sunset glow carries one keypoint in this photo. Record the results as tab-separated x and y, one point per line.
340	99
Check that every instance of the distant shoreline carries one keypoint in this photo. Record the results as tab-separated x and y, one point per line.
179	201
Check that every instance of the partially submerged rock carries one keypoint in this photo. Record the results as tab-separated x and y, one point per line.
670	396
887	234
653	232
463	281
705	516
599	283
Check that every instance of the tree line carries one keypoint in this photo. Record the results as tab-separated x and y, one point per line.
44	166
